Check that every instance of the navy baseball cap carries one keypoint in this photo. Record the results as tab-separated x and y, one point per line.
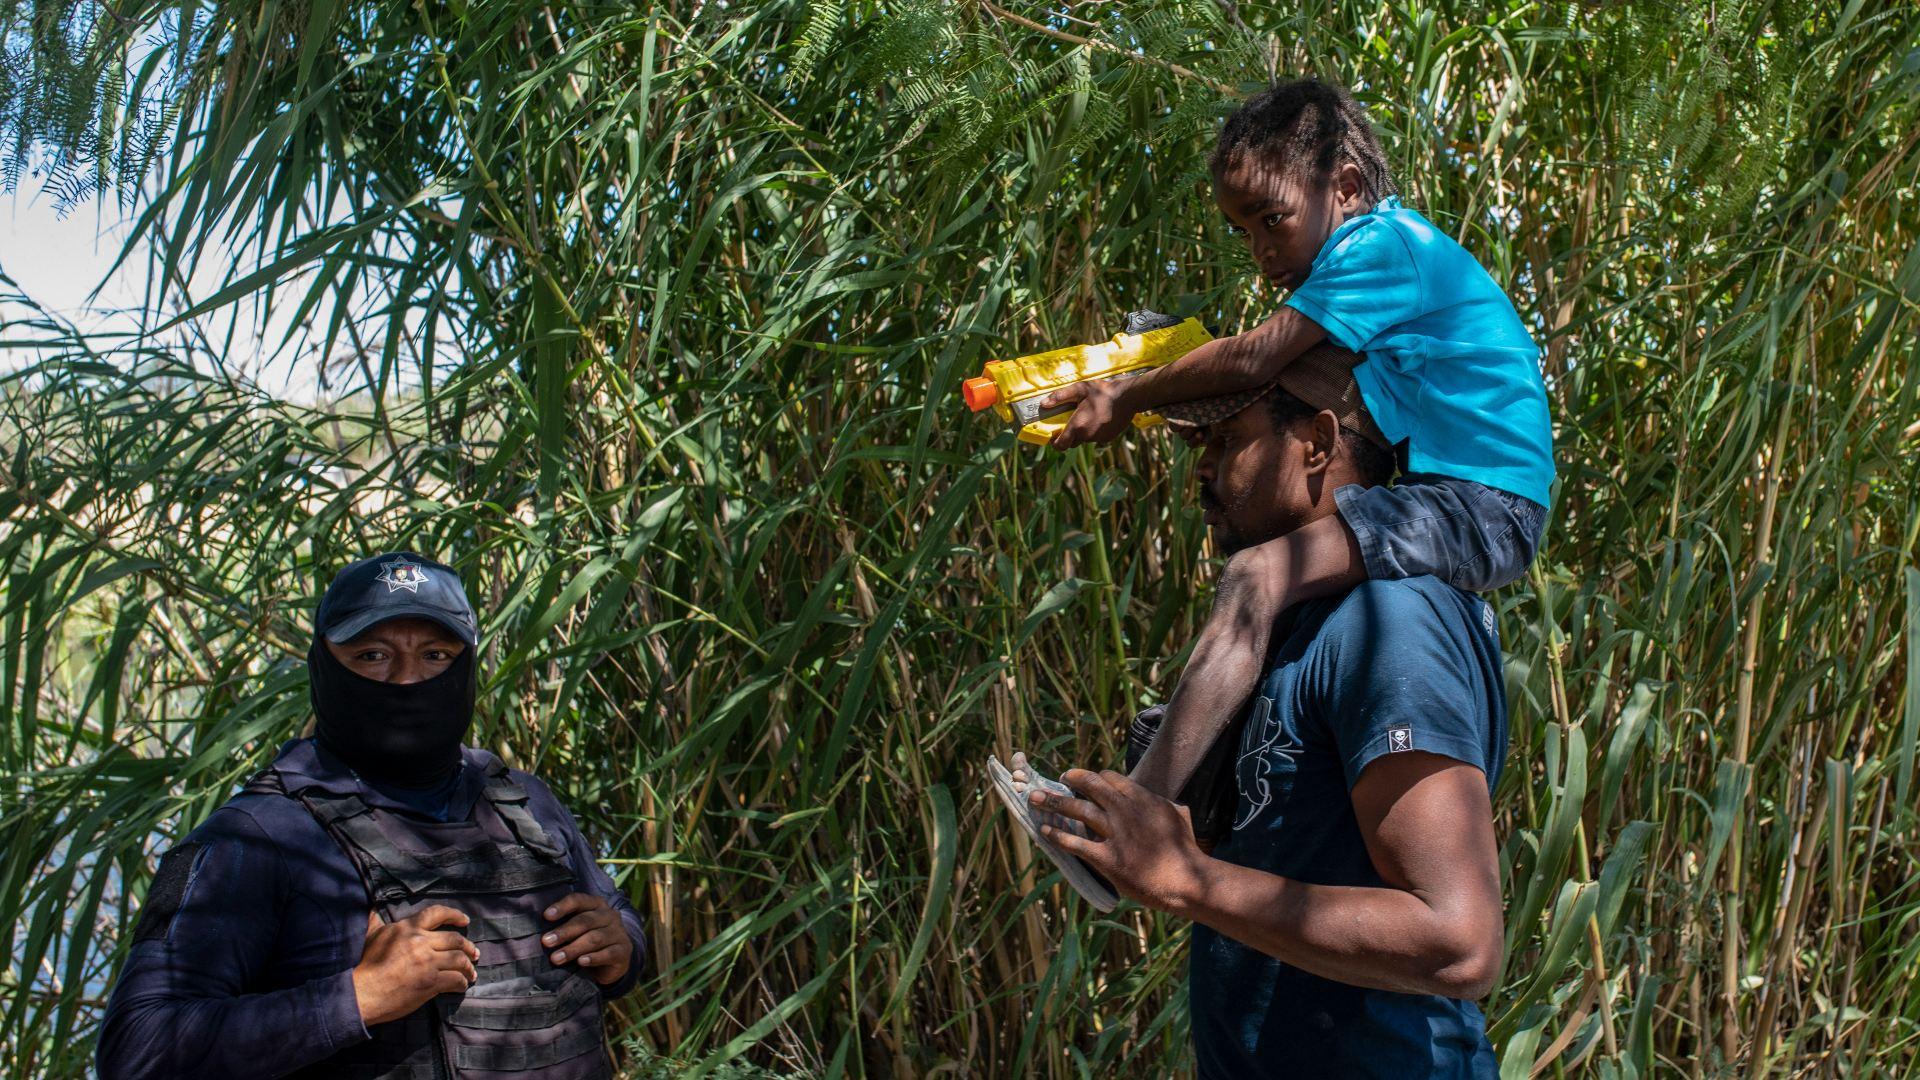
1322	377
394	585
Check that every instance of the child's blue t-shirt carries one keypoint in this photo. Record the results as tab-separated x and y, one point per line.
1449	368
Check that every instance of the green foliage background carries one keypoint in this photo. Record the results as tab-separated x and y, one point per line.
651	318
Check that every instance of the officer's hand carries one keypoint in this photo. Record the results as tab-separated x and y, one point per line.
406	963
594	937
1100	413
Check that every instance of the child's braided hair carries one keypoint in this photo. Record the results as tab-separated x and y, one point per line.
1310	124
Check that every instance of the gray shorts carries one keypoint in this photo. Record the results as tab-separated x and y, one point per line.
1467	534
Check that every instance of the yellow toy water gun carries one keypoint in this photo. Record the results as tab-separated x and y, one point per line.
1013	388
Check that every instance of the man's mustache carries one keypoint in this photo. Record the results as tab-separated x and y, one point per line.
1208	500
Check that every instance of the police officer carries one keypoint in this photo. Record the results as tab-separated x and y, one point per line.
381	901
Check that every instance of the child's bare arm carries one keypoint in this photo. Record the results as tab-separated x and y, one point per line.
1226	365
1103	408
1317	559
1219	675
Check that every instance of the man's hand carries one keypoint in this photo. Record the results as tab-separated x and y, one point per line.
1142	843
594	937
1100	413
405	964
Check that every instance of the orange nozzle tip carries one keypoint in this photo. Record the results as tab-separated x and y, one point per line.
980	393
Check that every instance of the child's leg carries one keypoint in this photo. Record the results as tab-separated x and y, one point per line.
1468	535
1257	585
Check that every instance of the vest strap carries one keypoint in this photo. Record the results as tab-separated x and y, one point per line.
503	927
358	827
525	1058
513	969
265	782
509	800
403	875
526	1013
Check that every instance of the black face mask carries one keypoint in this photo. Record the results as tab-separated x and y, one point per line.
406	734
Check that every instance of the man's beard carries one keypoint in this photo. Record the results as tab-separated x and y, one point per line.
1226	539
1232	531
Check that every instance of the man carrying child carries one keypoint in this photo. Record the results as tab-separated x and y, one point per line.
1352	904
1351	913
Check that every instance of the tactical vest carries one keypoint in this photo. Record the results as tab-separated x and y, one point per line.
523	1015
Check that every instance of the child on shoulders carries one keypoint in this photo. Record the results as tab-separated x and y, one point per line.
1451	377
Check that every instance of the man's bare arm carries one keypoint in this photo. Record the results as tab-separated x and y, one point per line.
1435	928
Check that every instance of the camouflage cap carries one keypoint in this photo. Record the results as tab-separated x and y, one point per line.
1322	377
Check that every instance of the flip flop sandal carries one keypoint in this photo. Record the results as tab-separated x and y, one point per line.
1077	874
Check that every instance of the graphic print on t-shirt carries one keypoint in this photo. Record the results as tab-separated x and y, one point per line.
1264	745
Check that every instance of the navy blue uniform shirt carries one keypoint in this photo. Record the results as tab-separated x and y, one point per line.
1392	666
252	975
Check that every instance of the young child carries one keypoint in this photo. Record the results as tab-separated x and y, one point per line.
1451	377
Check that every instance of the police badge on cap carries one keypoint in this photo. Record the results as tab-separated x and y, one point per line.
401	574
393	585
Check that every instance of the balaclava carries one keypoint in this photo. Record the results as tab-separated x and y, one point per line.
407	734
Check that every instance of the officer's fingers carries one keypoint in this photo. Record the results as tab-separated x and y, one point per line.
446	941
457	961
438	915
611	953
574	927
571	903
600	939
594	941
373	922
451	982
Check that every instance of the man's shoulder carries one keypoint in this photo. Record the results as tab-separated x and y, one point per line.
485	763
542	801
1398	605
538	791
1418	617
251	815
253	841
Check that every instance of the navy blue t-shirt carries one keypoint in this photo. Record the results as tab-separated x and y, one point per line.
1391	666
